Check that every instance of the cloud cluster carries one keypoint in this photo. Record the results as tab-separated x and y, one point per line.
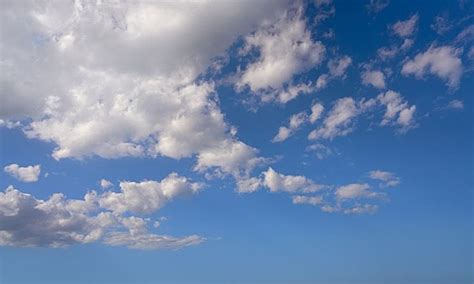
388	179
24	174
297	120
442	61
337	68
285	48
57	222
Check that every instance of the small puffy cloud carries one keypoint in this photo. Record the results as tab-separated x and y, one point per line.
312	200
376	78
375	6
405	28
337	68
248	185
285	49
441	24
295	122
354	191
24	174
442	61
105	184
338	121
147	196
397	111
287	94
456	104
277	182
316	112
389	179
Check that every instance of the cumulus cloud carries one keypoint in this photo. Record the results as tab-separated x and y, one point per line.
405	28
285	49
147	196
354	191
338	122
105	184
398	111
58	222
376	78
320	150
24	174
297	120
389	179
442	61
337	68
276	182
140	100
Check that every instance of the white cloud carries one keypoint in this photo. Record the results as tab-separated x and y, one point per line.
321	151
58	222
286	49
24	174
397	110
456	104
355	191
442	61
389	179
287	94
277	182
339	120
316	112
312	200
295	122
141	99
105	184
405	28
337	68
147	196
376	78
441	24
376	6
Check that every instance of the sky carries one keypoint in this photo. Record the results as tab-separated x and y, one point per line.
236	142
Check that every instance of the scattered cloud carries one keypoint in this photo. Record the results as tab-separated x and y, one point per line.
285	49
277	182
388	179
58	222
405	28
376	78
320	150
397	111
376	6
442	61
456	104
24	174
105	184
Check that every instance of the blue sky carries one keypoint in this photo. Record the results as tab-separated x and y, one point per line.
236	142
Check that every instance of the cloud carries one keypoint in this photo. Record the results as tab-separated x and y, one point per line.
397	111
376	6
58	222
142	100
354	191
24	174
147	196
456	104
321	150
295	122
373	77
285	49
105	184
338	121
442	61
389	179
277	182
405	28
441	24
312	200
337	68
